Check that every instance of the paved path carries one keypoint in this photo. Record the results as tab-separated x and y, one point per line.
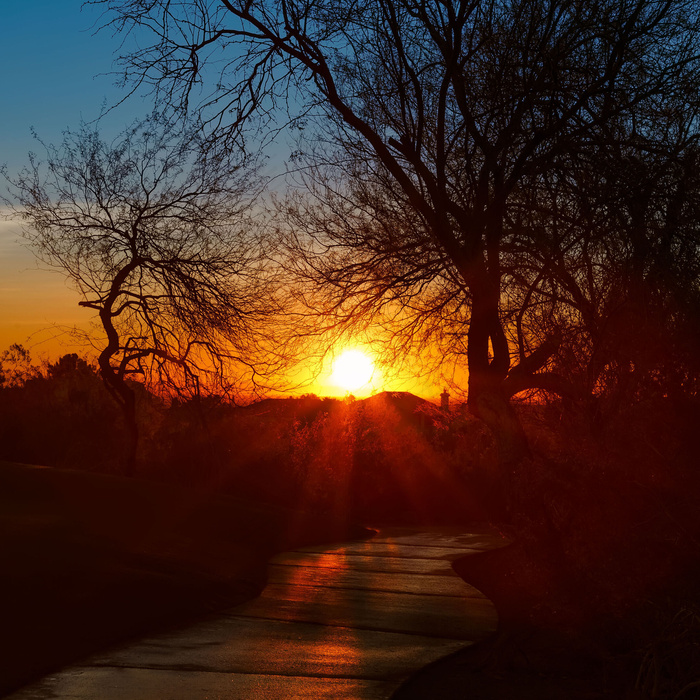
348	622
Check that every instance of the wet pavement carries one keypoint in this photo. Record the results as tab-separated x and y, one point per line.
349	622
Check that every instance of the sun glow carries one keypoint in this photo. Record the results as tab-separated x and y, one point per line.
352	370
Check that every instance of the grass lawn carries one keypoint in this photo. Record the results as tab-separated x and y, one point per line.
90	560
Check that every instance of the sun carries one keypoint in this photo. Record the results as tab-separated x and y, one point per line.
352	369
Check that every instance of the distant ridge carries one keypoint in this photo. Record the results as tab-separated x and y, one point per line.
408	406
402	397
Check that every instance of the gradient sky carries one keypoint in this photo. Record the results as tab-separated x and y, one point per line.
55	73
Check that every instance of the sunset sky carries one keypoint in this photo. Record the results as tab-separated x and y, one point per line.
56	72
54	76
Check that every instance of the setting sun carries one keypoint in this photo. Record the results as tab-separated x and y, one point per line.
352	370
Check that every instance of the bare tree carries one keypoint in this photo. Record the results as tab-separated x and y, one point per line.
155	233
617	270
448	113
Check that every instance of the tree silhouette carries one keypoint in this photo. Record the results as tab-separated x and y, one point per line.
153	232
617	268
432	125
16	366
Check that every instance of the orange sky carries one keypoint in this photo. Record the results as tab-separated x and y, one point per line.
37	309
37	306
34	302
383	379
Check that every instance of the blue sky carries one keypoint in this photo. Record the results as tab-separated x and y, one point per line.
55	72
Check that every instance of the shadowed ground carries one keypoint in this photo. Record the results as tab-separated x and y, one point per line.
351	621
90	560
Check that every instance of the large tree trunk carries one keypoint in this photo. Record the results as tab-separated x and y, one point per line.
488	359
488	399
494	408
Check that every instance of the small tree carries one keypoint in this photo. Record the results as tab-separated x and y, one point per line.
154	231
16	366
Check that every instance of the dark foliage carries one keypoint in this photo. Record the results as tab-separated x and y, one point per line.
61	417
386	458
605	515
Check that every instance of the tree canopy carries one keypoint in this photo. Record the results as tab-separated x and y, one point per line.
461	155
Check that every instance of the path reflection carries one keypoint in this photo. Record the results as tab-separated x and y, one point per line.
346	623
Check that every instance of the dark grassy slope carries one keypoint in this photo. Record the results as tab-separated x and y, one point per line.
89	560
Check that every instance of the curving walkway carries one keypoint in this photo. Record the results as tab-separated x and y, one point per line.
347	622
